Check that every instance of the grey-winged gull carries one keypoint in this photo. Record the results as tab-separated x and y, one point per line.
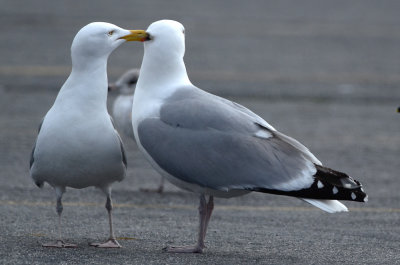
122	105
122	109
214	147
77	145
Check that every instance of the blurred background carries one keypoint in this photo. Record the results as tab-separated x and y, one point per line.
324	72
278	48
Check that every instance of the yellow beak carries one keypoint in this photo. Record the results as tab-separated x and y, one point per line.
136	35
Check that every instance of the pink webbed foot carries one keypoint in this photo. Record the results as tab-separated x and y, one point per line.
111	243
59	244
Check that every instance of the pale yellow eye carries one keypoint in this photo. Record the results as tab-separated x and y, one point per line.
110	33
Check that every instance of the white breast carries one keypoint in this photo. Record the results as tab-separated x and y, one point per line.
122	114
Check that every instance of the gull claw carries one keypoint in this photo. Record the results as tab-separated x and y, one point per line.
111	243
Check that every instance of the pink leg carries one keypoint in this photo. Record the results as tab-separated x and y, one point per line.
59	243
210	208
111	242
205	210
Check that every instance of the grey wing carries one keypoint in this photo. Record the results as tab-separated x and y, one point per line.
121	144
38	183
257	119
34	146
122	151
200	140
249	113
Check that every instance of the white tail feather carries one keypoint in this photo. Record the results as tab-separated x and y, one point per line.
330	206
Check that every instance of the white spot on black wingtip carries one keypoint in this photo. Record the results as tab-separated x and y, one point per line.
263	134
366	198
353	196
362	189
348	186
320	185
335	190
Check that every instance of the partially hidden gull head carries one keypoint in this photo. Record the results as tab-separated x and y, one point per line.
99	39
126	83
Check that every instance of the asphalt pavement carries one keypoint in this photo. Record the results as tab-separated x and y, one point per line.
326	73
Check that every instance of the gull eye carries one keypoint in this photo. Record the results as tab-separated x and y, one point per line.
110	33
183	31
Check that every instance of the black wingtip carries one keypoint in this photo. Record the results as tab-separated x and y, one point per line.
339	184
328	185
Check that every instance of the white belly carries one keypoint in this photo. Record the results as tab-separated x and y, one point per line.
77	153
122	114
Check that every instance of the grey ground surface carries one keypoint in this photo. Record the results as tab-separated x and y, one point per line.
324	72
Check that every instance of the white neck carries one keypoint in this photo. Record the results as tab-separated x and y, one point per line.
87	83
160	77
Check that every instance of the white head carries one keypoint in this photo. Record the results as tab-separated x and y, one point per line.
163	56
99	39
168	37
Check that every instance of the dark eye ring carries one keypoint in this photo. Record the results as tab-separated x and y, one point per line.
110	33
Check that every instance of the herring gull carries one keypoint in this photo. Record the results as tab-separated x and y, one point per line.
77	145
214	147
122	105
